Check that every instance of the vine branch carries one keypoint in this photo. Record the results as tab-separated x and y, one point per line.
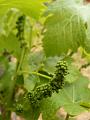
36	73
67	117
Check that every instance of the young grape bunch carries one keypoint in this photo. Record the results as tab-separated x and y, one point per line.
20	26
54	85
19	108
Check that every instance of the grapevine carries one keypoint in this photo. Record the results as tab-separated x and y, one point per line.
36	36
54	85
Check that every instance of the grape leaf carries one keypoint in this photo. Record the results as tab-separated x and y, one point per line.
8	21
75	93
36	60
32	63
29	113
8	82
11	44
64	28
73	75
32	8
3	69
69	98
30	82
8	39
88	28
50	63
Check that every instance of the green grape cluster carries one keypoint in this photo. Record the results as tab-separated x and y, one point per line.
39	93
58	80
19	108
46	90
20	25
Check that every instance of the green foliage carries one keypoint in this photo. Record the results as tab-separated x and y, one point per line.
46	90
31	82
7	87
29	7
70	98
50	63
74	74
65	27
11	36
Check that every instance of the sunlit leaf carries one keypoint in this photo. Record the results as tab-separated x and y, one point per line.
64	28
70	98
32	8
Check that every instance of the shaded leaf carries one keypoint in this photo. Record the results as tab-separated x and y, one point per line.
8	83
50	63
73	75
8	39
36	60
30	82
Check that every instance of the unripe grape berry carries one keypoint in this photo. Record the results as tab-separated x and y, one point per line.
19	108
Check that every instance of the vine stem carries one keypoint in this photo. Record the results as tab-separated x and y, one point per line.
38	74
67	117
18	67
21	61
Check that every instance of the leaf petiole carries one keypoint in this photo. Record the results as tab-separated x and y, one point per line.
38	74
